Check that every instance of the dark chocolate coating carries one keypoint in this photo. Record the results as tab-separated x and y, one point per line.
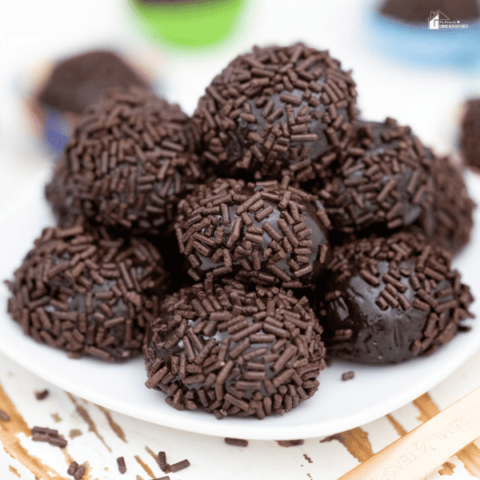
384	180
274	109
234	350
133	157
82	290
259	251
414	318
77	82
449	219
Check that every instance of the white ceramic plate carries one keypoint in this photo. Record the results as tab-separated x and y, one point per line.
337	406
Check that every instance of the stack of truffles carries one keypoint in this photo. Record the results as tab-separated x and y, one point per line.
236	248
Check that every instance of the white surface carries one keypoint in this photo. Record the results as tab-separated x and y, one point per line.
337	406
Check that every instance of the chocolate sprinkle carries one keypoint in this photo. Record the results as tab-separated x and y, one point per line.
176	467
235	350
415	306
277	108
262	233
290	443
130	159
4	416
236	442
42	395
82	290
43	434
348	375
122	468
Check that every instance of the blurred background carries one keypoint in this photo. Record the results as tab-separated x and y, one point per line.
416	75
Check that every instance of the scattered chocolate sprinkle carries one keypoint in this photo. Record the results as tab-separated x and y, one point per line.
348	375
85	291
43	434
416	305
122	468
202	351
176	467
79	472
72	468
290	443
277	110
42	395
237	442
162	461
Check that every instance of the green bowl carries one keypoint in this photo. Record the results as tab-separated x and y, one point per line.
188	22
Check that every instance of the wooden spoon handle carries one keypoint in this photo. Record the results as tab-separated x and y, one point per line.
425	448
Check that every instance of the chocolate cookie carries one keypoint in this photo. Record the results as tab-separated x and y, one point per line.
390	299
277	108
235	351
88	293
263	232
132	157
384	180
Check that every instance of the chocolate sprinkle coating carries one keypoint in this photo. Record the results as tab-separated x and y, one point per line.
78	81
470	133
449	220
232	350
132	157
383	180
390	299
263	232
88	293
277	108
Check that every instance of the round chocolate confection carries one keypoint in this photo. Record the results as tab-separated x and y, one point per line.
235	351
470	133
263	232
85	292
76	82
388	300
277	108
449	220
132	156
383	180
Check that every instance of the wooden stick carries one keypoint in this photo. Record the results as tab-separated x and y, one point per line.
425	448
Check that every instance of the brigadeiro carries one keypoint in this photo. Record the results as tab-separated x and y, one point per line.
132	157
449	220
76	82
470	133
235	350
277	108
387	300
88	293
383	180
265	232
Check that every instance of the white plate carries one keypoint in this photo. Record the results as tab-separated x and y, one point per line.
337	406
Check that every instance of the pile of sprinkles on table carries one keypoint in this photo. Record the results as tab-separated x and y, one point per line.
239	247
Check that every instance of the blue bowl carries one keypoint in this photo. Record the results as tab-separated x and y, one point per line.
417	44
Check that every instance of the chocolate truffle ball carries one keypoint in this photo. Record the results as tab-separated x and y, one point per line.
88	293
132	156
235	351
277	108
384	180
78	81
261	232
470	134
449	220
388	300
414	11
